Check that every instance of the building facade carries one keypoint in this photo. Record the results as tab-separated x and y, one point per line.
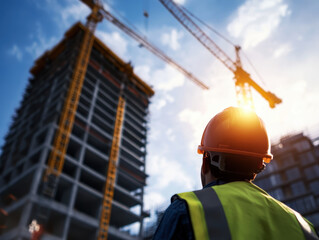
293	175
74	213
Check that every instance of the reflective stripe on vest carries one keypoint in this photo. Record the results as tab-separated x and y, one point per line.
213	209
210	218
306	229
197	215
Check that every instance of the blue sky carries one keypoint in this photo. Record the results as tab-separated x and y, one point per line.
280	37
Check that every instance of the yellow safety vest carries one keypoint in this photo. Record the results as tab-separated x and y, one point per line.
242	211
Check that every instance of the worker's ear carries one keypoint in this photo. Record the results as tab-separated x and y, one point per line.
205	164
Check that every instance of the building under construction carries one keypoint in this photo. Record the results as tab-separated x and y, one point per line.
74	211
293	175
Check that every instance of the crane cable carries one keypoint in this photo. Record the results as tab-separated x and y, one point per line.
253	67
120	16
225	39
146	16
208	26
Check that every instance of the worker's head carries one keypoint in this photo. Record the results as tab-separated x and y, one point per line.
234	145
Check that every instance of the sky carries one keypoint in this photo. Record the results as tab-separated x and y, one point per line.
279	37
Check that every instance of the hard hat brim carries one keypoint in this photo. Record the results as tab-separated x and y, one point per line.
267	157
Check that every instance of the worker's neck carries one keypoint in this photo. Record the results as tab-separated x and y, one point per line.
207	178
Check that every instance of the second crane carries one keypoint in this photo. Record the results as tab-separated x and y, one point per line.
243	81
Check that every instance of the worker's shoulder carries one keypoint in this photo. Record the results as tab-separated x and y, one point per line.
177	203
175	211
174	220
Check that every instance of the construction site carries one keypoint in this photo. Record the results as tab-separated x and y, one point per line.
73	162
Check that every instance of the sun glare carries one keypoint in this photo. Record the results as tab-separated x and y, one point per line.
247	107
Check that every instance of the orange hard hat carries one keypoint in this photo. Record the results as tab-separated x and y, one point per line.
236	131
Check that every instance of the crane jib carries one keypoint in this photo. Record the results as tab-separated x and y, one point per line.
243	80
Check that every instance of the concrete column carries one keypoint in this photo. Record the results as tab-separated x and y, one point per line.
73	194
44	154
78	171
25	215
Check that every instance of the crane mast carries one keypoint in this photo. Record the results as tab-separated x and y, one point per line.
66	120
243	81
56	158
111	172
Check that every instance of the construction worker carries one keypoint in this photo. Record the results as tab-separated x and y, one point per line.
235	147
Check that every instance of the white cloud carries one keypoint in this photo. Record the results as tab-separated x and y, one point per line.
256	20
162	101
143	71
172	39
40	44
282	50
74	12
67	12
153	200
180	2
167	173
114	41
64	12
167	79
196	121
160	104
170	135
16	52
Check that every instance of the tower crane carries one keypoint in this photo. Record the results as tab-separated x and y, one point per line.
243	81
66	120
145	43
